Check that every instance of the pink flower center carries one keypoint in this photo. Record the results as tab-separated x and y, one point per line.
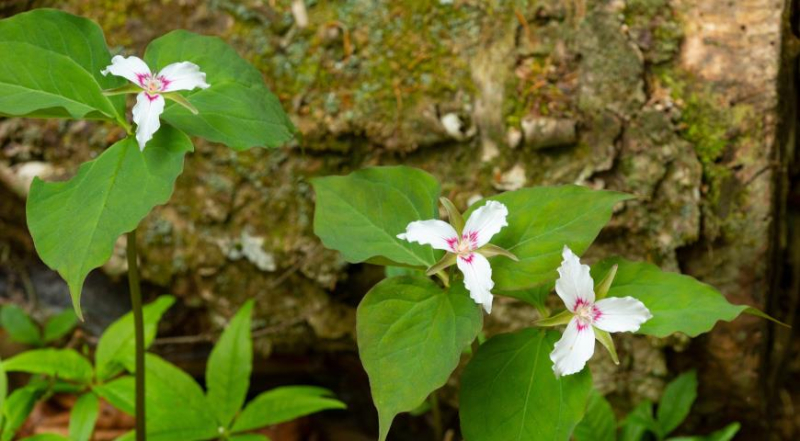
586	312
465	245
152	84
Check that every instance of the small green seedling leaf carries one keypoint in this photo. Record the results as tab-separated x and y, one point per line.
116	347
599	423
676	402
17	408
284	404
229	367
120	393
65	364
639	422
60	325
83	417
20	326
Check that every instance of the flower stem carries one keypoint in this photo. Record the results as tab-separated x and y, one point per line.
138	323
436	413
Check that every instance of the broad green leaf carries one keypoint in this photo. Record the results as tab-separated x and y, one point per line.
510	393
83	418
20	326
639	422
411	334
536	296
229	367
75	224
17	408
599	423
678	303
65	364
676	402
284	404
116	348
725	434
238	109
541	220
249	437
177	407
60	325
28	85
120	393
76	38
46	437
361	214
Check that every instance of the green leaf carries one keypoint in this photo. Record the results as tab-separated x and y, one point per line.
75	224
65	364
3	390
599	423
229	367
541	220
177	406
249	437
725	434
120	393
60	325
77	38
116	348
17	408
19	326
83	418
411	335
238	109
678	303
46	437
284	404
677	402
362	213
510	393
639	422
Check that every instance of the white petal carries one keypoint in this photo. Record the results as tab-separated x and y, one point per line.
145	115
575	348
182	76
620	314
477	279
436	233
132	68
485	222
575	284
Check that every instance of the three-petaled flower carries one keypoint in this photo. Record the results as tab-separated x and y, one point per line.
467	245
588	319
150	101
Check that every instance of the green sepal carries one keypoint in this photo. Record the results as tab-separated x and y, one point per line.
605	339
562	318
122	90
453	215
490	250
445	262
178	98
602	288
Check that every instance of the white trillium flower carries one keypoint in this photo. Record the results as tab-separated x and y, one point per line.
616	314
150	101
468	247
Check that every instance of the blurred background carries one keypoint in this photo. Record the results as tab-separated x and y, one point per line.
689	105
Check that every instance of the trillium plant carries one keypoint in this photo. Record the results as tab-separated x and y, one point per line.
421	322
185	85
